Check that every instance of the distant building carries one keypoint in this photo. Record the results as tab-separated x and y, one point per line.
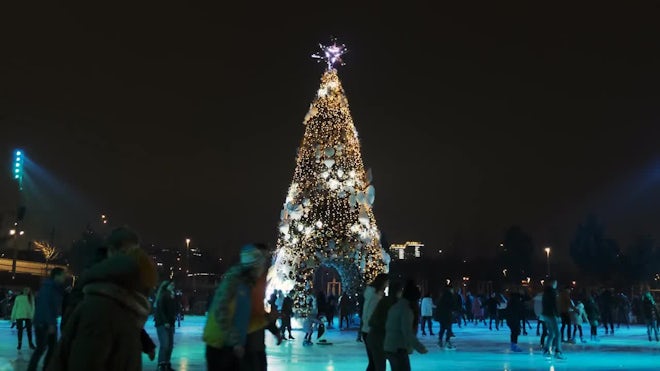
408	250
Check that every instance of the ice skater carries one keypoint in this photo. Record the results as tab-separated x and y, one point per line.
22	314
400	338
427	313
593	313
551	319
514	315
578	317
650	311
164	318
446	308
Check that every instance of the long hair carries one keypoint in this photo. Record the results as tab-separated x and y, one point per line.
163	286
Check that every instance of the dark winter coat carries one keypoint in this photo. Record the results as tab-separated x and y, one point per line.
446	306
166	309
49	303
104	331
550	307
593	313
287	307
515	310
98	271
491	304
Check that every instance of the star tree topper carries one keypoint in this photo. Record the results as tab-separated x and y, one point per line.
331	54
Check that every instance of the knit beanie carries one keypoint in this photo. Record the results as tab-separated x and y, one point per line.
147	269
252	256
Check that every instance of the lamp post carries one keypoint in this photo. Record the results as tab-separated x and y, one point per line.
187	256
18	172
547	260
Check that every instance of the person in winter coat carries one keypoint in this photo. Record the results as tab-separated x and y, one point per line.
311	320
551	319
165	318
287	313
122	240
515	313
593	314
477	310
377	325
259	321
538	311
427	313
607	310
47	307
103	332
565	309
344	310
372	295
228	321
650	311
400	339
491	306
446	308
578	317
22	313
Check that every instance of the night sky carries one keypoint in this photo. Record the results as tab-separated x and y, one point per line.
182	120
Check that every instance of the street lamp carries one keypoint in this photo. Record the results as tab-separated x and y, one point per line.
547	260
187	256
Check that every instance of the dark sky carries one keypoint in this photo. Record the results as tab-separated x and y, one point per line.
183	119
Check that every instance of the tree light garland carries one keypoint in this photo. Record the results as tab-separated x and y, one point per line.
327	218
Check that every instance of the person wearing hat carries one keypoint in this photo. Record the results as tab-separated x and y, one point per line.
231	312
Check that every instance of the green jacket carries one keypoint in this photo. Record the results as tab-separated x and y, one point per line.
228	319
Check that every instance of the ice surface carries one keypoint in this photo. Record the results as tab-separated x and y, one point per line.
478	349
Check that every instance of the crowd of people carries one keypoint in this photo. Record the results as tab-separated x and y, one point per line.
103	316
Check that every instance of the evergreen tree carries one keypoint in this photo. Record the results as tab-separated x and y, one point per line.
327	218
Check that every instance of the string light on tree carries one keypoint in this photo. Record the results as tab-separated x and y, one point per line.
327	217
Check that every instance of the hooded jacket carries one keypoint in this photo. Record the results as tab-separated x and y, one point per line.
103	332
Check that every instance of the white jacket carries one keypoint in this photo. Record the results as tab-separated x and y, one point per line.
371	299
23	308
427	307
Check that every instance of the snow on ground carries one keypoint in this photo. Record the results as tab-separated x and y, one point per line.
478	349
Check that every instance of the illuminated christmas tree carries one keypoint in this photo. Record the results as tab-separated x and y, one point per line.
327	218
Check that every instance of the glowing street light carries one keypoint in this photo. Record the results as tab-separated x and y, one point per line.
17	169
547	259
12	232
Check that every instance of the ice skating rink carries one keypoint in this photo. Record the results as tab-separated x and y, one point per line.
477	349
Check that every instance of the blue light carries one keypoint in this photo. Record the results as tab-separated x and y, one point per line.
18	164
18	153
17	171
15	176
